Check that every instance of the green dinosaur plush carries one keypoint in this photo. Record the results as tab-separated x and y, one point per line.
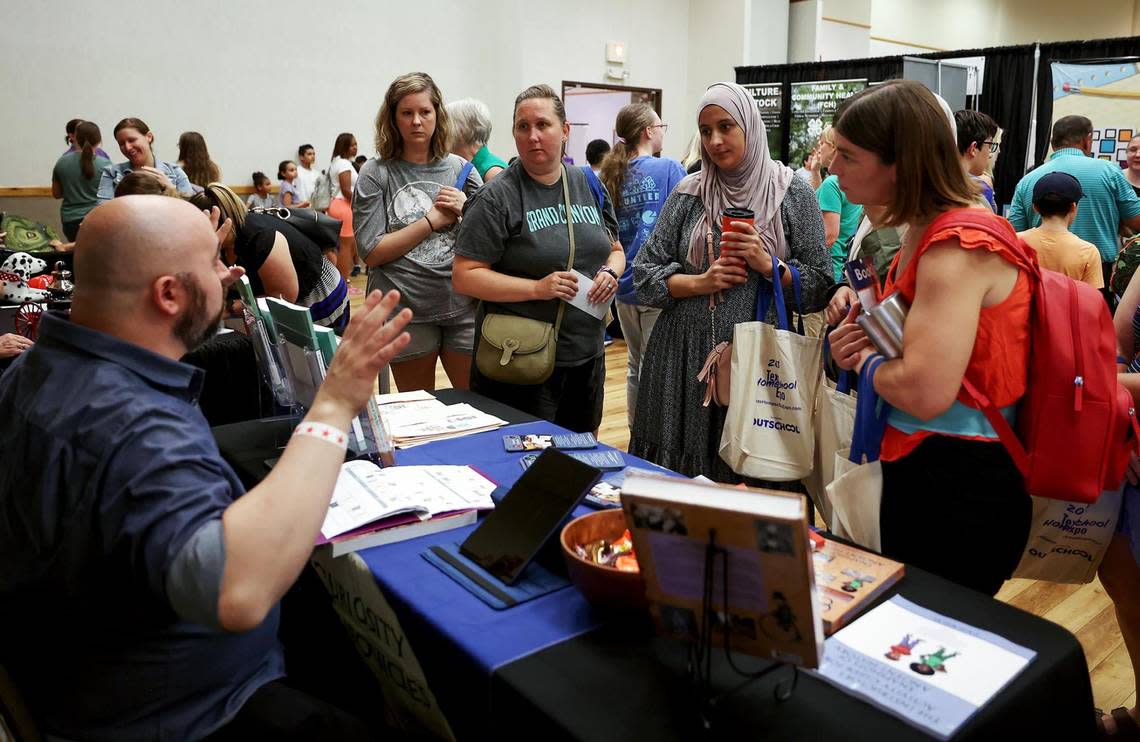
26	235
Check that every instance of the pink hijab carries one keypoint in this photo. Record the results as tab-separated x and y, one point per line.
758	182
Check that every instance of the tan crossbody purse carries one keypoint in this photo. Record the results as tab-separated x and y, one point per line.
519	350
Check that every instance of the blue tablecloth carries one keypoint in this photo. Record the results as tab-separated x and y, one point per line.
457	638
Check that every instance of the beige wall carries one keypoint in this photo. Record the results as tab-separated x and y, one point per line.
967	24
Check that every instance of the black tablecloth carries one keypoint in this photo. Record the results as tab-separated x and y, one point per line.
620	682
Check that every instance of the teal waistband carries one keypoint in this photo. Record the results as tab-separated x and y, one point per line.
958	420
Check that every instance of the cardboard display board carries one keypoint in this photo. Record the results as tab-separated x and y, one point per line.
1109	94
769	99
813	109
382	644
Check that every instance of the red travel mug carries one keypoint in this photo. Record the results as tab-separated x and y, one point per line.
729	215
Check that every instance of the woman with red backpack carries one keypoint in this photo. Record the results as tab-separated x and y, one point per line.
953	502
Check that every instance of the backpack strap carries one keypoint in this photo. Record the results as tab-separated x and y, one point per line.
1025	260
595	188
1000	229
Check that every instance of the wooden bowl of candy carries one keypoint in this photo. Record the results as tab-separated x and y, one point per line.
601	563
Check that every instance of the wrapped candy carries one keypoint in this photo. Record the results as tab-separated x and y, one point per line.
617	554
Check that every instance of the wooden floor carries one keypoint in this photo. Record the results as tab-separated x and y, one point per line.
1084	610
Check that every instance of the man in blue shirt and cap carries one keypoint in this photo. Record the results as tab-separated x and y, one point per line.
139	583
1108	200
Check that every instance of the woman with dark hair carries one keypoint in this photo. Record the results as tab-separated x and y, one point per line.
512	252
136	142
639	181
279	260
290	196
75	178
407	205
69	138
687	263
342	178
969	303
194	158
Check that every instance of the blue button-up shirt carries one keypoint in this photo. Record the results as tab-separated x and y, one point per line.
1108	199
107	467
113	174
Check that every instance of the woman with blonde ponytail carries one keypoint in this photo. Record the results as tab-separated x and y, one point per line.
639	181
75	178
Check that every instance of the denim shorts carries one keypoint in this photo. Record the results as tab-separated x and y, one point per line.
456	334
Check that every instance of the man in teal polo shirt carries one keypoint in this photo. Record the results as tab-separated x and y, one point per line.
1109	200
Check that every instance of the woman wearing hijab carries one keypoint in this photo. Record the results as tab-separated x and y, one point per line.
676	271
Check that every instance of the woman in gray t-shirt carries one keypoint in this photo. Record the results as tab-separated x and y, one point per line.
512	252
404	212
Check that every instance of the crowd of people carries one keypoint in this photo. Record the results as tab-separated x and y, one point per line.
472	261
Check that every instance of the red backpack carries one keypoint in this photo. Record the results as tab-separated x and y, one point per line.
1075	422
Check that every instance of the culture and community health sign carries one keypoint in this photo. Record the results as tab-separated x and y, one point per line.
769	99
1109	94
813	109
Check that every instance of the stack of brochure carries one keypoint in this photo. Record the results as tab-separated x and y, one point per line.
414	418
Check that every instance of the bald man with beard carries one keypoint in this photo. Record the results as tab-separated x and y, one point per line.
139	583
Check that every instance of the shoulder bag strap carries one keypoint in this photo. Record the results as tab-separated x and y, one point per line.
570	232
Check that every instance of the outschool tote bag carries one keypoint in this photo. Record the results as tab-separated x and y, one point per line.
1067	540
834	429
776	374
856	494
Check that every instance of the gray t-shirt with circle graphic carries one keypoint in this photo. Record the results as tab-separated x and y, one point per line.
390	195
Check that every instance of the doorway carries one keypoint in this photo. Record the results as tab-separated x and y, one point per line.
591	109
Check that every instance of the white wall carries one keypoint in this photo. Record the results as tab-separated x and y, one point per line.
967	24
239	73
804	20
842	41
592	116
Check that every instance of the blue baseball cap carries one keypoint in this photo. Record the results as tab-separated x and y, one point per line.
1062	185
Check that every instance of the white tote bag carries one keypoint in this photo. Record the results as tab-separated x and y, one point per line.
1067	540
776	374
834	426
856	493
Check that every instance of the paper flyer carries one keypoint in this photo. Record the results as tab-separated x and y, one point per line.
929	670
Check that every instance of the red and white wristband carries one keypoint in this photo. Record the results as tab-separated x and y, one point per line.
326	433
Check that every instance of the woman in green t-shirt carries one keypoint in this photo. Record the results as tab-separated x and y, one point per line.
75	178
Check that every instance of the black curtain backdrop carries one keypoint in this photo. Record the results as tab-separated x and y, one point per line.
1007	96
1007	90
873	70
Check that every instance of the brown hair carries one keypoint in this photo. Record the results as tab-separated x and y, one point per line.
200	169
1070	131
130	122
142	183
342	145
229	203
389	143
540	91
901	122
631	123
87	138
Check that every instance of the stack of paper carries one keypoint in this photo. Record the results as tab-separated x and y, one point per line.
415	418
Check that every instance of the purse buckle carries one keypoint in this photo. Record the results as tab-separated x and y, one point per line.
510	345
